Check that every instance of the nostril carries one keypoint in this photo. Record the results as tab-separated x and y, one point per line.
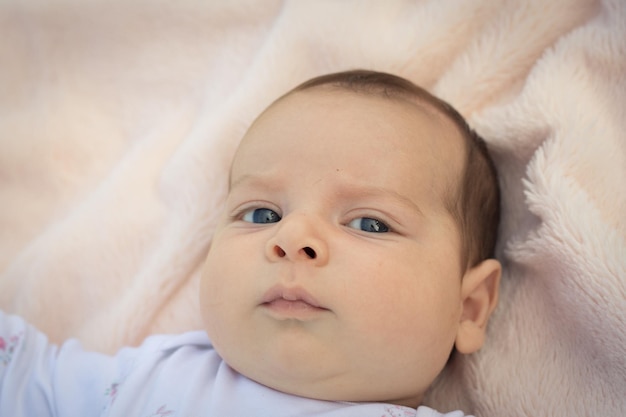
279	251
310	252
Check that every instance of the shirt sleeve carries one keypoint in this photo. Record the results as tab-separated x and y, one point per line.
41	379
423	411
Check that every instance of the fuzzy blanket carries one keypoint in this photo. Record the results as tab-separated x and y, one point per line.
118	121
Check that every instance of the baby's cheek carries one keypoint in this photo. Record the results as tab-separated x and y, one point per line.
211	290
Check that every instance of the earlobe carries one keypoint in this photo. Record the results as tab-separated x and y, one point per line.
479	293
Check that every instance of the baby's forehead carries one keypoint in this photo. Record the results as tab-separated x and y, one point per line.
405	112
422	109
423	104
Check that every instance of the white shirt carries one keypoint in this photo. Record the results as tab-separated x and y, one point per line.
165	376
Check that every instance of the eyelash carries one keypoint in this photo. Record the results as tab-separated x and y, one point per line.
270	214
255	214
376	225
239	214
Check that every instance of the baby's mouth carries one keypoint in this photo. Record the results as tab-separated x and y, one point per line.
284	304
295	303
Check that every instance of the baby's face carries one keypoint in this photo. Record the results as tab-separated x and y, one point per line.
335	271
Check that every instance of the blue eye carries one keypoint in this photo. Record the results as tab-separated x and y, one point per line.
260	215
370	225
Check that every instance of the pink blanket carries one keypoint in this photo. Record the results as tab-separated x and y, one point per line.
118	121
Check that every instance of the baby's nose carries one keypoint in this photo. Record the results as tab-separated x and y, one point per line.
298	240
307	251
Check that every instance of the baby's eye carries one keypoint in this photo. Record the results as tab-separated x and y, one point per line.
260	215
368	224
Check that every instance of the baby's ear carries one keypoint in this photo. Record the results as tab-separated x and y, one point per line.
479	292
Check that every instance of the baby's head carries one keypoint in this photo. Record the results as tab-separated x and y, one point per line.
355	249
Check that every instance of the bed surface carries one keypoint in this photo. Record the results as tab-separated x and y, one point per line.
118	121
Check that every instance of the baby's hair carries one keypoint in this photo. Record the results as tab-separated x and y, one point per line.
475	201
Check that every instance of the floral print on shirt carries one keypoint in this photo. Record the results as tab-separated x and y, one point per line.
8	346
398	411
162	412
111	392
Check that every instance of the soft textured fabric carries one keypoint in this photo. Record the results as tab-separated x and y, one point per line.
166	376
119	119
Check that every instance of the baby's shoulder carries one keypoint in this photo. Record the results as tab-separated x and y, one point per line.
198	339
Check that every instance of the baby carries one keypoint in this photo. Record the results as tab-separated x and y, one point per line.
354	256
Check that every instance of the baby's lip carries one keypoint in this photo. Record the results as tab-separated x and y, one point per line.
295	294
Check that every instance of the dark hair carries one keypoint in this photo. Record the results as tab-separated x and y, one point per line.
475	201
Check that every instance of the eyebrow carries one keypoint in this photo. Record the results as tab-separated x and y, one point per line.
360	191
347	190
254	180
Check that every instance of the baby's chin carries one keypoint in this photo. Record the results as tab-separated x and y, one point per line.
333	386
340	392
